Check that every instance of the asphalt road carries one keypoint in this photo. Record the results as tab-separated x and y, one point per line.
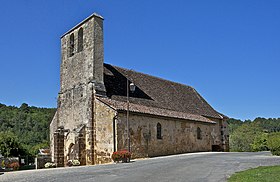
198	167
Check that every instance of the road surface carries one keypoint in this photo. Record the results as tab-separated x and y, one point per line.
200	167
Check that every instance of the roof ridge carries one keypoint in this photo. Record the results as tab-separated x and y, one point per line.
126	69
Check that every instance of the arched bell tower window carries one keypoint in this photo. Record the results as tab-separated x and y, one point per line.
80	40
159	131
198	133
71	45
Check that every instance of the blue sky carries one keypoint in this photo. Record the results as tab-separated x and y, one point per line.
229	51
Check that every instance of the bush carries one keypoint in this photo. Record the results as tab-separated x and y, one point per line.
122	155
274	143
13	165
50	165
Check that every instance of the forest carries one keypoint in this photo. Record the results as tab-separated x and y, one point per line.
261	134
24	129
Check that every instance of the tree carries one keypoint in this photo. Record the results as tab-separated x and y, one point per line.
24	107
252	135
242	139
29	124
35	149
233	124
9	145
274	143
260	142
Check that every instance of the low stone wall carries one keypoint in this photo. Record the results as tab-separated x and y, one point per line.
40	161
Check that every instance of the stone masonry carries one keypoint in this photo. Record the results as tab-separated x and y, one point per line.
81	77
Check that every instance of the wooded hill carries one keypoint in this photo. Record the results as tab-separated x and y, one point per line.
257	135
26	128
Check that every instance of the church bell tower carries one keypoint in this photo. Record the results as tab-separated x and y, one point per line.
81	78
82	55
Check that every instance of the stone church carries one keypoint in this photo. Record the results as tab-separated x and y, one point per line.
98	113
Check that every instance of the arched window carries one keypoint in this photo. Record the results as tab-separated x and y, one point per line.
71	45
80	40
159	131
198	133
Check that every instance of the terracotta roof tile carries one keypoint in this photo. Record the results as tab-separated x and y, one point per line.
153	92
122	106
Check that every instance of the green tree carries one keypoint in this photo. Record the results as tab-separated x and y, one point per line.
9	145
233	124
24	108
242	139
260	142
274	143
35	149
29	124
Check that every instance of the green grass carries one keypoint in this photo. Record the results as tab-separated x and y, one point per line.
260	174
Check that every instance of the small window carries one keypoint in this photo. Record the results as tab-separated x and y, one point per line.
198	133
159	131
80	40
71	45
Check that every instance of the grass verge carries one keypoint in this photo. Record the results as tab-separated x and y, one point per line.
259	174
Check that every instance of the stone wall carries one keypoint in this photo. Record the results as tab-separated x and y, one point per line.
225	136
40	161
74	106
86	65
103	132
59	157
53	128
74	115
178	136
75	146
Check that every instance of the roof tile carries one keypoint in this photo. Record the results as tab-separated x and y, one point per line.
156	93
